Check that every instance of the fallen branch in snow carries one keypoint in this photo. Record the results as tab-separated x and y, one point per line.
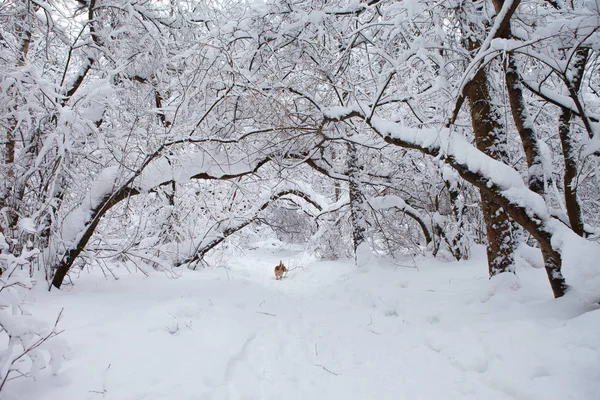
331	372
266	313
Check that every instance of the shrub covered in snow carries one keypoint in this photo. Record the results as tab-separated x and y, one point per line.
25	345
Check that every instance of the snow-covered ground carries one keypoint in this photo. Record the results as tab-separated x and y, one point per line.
330	330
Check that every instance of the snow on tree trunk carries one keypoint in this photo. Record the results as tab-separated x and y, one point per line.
570	151
458	243
490	138
357	199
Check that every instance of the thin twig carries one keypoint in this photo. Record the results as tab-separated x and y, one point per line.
331	372
266	313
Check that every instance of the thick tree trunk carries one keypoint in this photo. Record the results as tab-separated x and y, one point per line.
490	137
522	119
569	147
458	244
533	154
357	199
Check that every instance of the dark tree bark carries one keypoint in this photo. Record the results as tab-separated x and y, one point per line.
522	119
490	138
456	244
126	190
569	147
357	199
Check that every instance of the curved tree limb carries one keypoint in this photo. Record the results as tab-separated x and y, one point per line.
126	190
393	201
204	248
524	206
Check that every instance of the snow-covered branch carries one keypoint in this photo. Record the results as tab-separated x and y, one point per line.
499	180
230	226
29	348
393	201
155	172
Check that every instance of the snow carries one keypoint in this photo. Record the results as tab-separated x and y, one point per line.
449	145
389	201
27	225
183	167
103	186
401	329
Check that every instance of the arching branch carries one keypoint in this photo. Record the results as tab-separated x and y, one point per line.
392	201
110	199
500	181
204	248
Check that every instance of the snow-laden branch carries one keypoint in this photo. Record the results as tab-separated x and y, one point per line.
230	226
110	189
558	100
393	201
499	180
455	150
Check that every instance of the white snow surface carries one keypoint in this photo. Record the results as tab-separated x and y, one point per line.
404	329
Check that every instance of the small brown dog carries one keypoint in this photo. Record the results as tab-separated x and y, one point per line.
280	270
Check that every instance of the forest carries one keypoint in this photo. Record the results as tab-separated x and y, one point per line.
148	135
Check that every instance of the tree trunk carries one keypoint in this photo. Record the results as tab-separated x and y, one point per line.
569	147
490	137
533	155
522	119
458	244
357	199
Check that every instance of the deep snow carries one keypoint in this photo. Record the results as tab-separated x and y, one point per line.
422	329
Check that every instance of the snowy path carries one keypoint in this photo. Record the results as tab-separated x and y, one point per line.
327	331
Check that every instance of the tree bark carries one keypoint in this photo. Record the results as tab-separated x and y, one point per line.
357	199
112	199
490	138
569	147
457	244
522	119
533	154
